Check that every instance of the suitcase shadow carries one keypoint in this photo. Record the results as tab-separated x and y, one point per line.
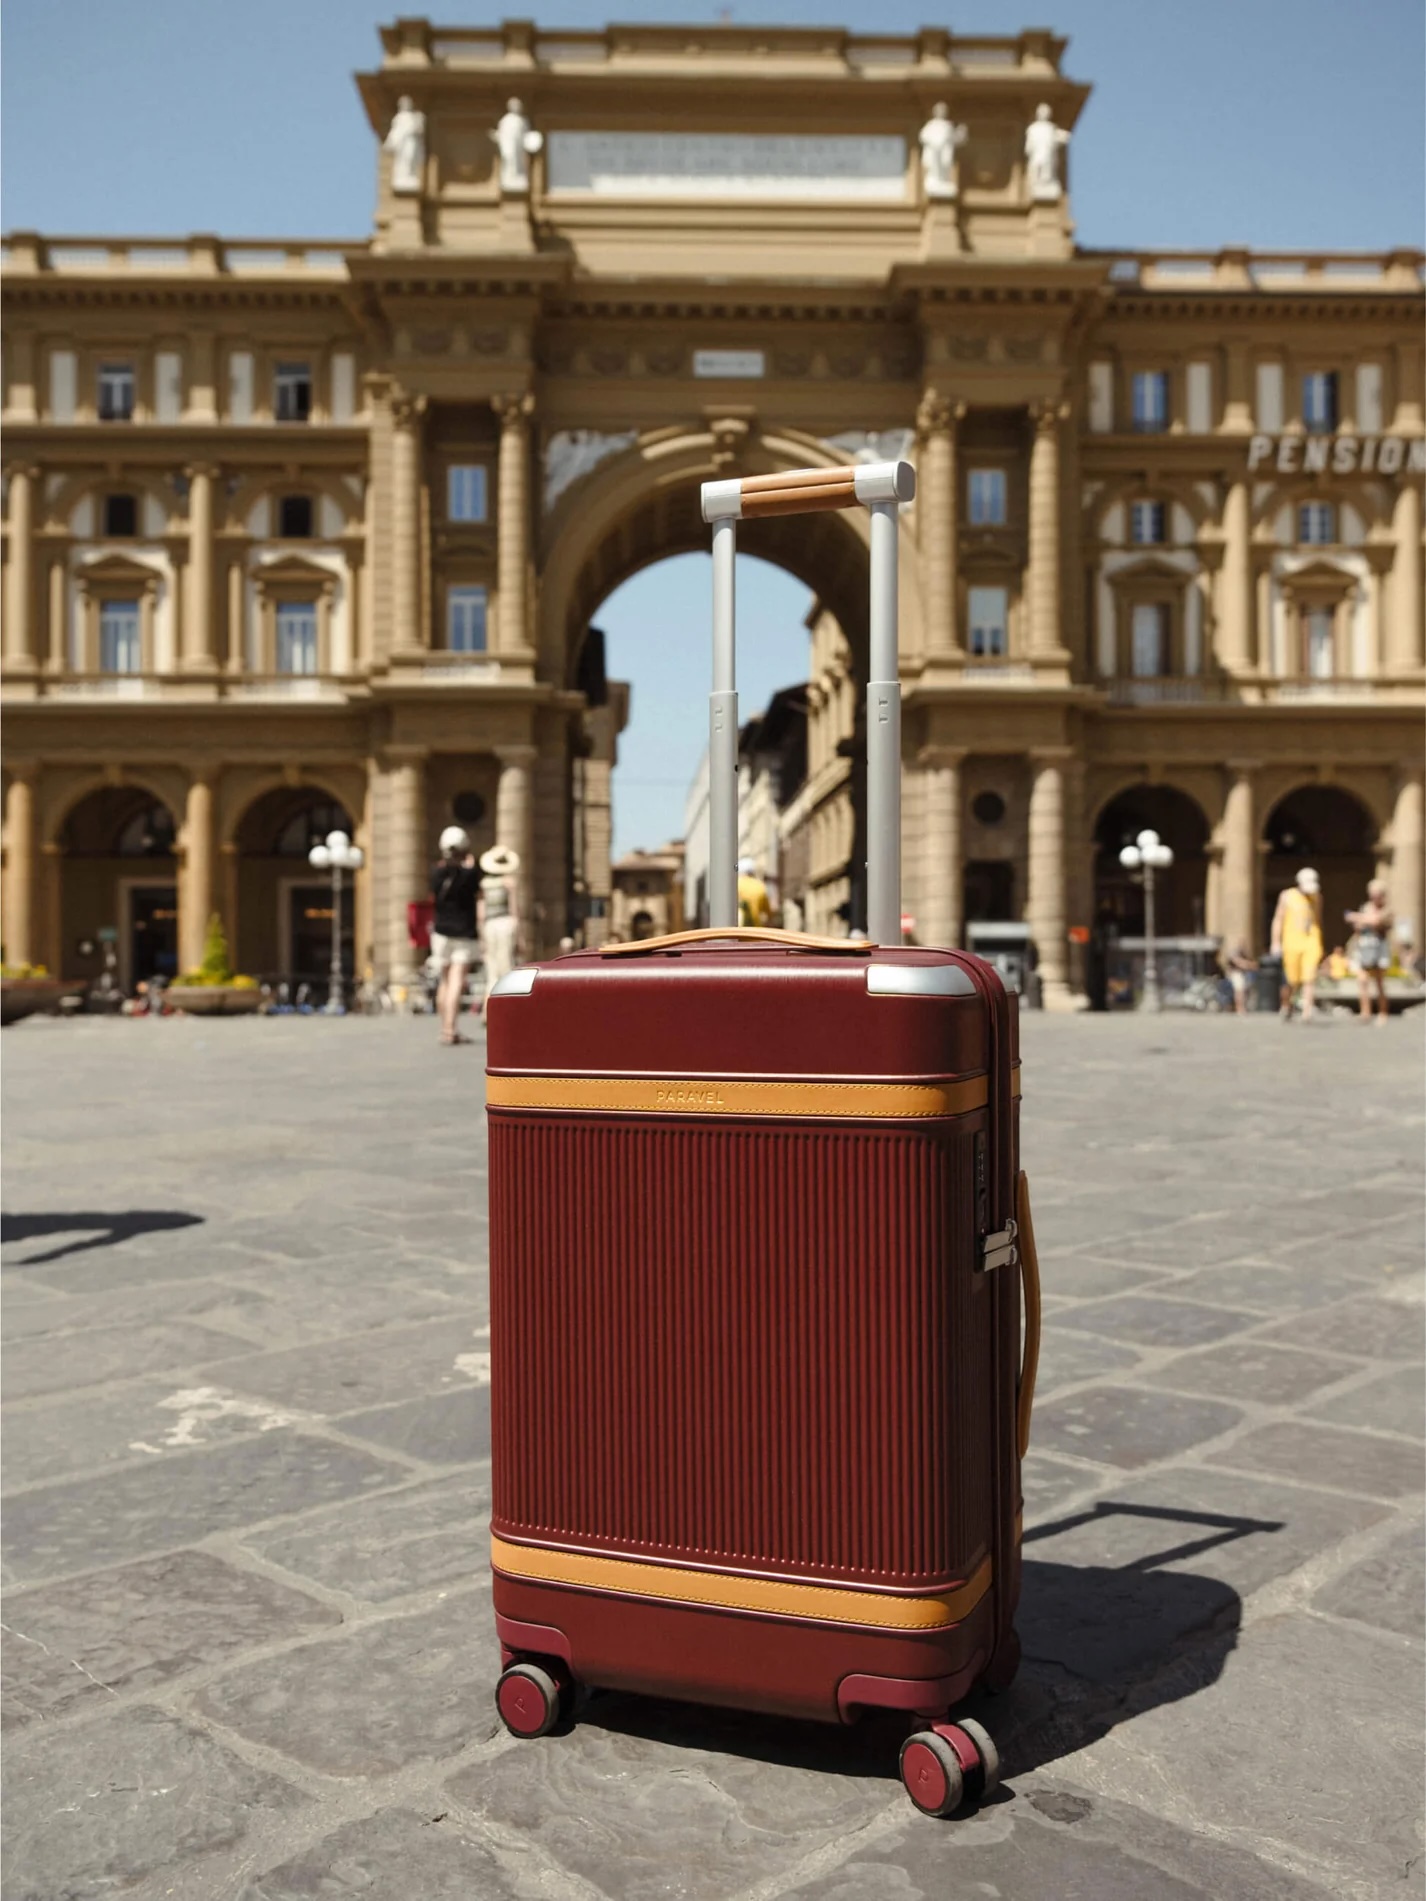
1103	1642
99	1230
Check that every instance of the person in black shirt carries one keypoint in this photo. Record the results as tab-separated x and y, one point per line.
455	883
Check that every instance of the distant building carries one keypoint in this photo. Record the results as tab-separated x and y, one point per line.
301	534
648	894
772	764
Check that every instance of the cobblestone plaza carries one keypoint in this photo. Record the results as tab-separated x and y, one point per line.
249	1644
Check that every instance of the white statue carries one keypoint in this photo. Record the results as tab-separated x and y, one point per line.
1044	141
406	142
940	141
518	145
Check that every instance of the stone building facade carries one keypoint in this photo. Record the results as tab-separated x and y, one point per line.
301	534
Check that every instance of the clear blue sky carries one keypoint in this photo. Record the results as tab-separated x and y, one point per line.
1267	122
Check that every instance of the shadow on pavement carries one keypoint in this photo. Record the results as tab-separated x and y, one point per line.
100	1230
1102	1642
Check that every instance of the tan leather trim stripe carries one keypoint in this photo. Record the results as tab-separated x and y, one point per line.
827	1603
1015	1080
655	1095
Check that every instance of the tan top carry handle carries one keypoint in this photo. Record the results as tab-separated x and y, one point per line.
745	933
880	488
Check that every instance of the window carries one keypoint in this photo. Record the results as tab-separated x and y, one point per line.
296	637
1319	643
1317	522
465	492
121	515
294	517
1151	400
465	620
987	498
292	392
119	646
1146	524
1150	658
1319	402
116	392
989	622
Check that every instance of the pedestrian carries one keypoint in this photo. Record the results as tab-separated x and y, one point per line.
1240	966
500	921
454	945
1373	927
1297	939
754	905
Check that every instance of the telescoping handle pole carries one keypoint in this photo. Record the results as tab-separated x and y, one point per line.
880	487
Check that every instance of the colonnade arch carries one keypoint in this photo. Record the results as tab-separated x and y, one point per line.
1335	832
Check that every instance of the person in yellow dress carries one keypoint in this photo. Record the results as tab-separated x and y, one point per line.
754	905
1297	939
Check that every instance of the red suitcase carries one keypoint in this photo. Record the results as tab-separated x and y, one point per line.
756	1240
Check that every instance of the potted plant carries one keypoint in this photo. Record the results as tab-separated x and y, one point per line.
213	989
28	988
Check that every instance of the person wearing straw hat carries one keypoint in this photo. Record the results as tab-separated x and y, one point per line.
454	948
500	922
1297	939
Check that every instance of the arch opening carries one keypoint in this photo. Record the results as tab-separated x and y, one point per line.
118	885
277	909
1331	830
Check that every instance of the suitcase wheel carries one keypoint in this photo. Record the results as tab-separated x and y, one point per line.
528	1699
944	1765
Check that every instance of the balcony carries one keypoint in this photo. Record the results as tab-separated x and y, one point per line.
1166	690
27	253
1278	271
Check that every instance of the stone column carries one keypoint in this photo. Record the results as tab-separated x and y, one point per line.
237	616
514	821
17	925
195	893
1042	573
198	655
407	633
1045	900
1407	883
936	421
1240	871
1238	389
58	659
942	868
20	620
1235	613
1404	649
513	520
406	767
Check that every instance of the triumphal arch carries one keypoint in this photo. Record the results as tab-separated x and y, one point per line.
337	545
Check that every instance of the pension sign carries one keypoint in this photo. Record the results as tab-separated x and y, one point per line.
1338	455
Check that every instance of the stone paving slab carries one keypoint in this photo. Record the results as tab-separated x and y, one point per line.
254	1653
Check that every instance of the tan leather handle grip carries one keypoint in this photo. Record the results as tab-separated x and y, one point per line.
1030	1276
744	933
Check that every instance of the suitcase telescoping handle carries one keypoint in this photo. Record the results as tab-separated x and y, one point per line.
880	487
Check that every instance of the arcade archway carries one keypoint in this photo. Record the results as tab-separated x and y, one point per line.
278	910
118	872
634	511
1180	891
1332	831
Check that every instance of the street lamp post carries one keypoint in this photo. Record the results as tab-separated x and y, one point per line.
1148	854
337	855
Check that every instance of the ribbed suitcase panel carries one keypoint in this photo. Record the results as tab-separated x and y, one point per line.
742	1345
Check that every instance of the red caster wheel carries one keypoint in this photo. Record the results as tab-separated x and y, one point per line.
931	1772
528	1699
988	1753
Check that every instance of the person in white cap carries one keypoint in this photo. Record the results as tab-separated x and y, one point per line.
1297	939
500	923
454	946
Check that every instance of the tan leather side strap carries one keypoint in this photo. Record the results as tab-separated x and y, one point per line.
827	1604
744	934
1030	1275
696	1096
